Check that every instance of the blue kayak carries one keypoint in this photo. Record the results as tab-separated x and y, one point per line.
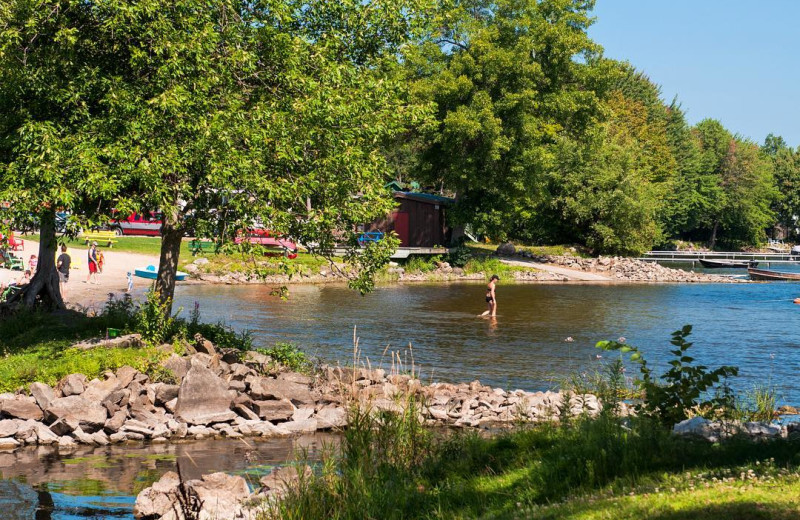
151	273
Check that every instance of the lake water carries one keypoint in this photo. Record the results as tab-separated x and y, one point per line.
99	483
752	326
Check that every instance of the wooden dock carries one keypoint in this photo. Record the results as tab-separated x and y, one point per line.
693	258
404	252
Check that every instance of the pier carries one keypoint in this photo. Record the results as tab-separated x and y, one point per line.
693	257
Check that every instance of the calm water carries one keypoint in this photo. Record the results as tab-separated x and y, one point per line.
752	326
102	482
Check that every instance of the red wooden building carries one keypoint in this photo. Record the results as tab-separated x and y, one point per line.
419	221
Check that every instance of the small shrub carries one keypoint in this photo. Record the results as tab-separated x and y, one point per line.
681	389
459	256
289	356
152	320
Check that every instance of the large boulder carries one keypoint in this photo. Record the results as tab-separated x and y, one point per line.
332	417
97	390
203	397
90	416
267	388
21	407
274	410
506	249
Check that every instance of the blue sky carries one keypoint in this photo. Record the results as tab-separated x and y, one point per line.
733	60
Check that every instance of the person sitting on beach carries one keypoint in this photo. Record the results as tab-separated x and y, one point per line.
25	278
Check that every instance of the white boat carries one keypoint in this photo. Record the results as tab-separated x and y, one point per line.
151	273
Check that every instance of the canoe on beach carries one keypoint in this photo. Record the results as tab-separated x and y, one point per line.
763	274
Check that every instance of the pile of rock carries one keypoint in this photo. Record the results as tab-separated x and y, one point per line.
217	496
625	269
715	431
216	394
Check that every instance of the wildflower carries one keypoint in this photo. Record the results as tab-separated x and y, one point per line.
569	339
622	339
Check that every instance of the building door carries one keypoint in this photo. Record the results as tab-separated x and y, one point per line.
400	219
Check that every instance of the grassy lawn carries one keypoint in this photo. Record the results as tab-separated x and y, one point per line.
128	244
557	250
36	347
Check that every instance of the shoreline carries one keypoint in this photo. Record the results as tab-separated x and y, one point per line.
524	270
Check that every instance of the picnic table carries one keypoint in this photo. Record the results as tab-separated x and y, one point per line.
101	237
199	247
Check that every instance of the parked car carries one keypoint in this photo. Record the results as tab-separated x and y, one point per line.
138	224
263	237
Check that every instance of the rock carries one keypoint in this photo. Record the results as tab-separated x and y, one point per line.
64	426
256	358
82	437
274	410
97	390
126	375
267	388
267	429
43	394
66	441
90	416
203	397
100	438
331	417
127	341
114	424
506	249
45	434
294	377
160	499
698	427
165	393
759	430
178	365
73	384
118	437
281	479
302	414
200	261
170	405
21	407
302	426
9	427
787	410
220	495
7	443
203	346
245	412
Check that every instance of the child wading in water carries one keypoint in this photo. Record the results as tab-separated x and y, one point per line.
491	298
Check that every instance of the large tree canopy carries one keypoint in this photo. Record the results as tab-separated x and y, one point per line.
222	115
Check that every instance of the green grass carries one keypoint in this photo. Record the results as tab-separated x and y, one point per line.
36	347
589	468
141	245
555	250
490	265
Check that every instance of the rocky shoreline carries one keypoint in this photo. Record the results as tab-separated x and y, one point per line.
616	269
220	394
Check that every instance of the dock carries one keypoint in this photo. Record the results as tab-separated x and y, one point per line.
693	257
404	252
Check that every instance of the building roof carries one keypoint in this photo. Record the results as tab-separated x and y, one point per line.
428	198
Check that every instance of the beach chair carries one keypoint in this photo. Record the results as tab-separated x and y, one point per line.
12	262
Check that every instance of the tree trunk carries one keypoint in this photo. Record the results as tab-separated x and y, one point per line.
44	284
172	230
713	240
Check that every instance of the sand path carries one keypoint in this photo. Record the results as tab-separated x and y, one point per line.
572	274
112	280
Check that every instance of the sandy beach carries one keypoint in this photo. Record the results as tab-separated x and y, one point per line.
91	296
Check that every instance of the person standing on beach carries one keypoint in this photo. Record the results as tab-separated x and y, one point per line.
92	261
491	297
62	265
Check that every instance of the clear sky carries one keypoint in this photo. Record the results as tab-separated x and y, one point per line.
733	60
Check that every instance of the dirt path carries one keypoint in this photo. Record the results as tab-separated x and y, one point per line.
112	280
572	274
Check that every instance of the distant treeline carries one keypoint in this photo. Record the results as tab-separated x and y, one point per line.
542	139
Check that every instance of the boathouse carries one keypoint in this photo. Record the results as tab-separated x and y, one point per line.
419	220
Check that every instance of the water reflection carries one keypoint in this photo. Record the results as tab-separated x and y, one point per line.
102	482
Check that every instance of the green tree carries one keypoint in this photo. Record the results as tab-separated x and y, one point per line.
509	82
53	134
786	168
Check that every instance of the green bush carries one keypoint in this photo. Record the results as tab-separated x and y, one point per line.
289	356
683	389
459	256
